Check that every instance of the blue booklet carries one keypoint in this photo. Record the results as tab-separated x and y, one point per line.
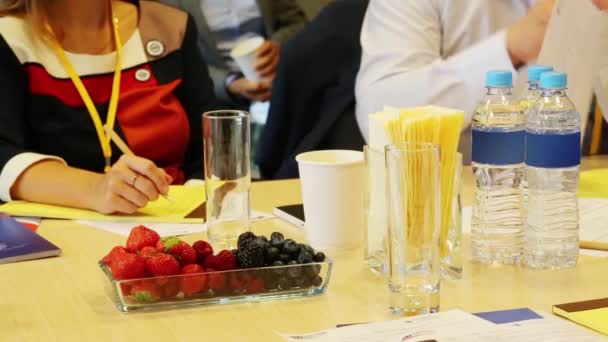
18	243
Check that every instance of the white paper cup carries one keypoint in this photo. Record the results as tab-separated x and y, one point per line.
244	54
333	192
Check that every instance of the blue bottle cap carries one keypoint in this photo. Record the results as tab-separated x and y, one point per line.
553	80
499	79
534	72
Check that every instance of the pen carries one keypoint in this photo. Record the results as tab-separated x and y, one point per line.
598	246
122	146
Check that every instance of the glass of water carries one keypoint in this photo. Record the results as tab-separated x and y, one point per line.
414	210
226	142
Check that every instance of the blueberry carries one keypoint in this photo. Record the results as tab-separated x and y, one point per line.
284	283
285	258
301	282
280	270
294	271
290	247
277	238
271	255
317	281
312	271
304	257
319	257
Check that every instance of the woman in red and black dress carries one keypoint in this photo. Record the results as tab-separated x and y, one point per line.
70	67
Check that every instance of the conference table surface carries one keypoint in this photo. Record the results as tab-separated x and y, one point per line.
66	298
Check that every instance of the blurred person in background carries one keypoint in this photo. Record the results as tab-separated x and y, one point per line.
420	52
222	23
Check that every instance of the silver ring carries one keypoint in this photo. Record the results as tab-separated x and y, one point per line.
133	180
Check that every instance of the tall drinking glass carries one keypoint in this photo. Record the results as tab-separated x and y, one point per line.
451	244
375	211
226	141
413	190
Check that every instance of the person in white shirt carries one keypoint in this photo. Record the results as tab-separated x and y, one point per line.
419	52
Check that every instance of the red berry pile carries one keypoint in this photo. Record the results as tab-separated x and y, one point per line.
172	269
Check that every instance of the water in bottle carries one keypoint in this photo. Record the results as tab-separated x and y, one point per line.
498	166
530	96
553	154
533	92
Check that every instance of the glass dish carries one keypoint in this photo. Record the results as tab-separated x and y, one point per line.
236	286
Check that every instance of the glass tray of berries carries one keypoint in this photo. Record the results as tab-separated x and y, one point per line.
151	273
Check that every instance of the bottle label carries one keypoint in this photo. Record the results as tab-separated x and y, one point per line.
499	148
553	150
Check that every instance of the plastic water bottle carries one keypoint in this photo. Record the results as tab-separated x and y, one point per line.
553	154
498	164
530	96
533	92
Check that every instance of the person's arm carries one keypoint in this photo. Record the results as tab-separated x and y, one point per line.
402	64
27	175
290	20
197	96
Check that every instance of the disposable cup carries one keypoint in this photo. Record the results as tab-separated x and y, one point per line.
244	54
333	184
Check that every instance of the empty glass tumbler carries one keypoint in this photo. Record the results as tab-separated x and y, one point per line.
451	243
375	211
413	190
226	141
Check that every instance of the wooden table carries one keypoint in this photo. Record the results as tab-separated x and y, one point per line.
65	298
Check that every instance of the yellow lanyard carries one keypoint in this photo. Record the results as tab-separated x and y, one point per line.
104	139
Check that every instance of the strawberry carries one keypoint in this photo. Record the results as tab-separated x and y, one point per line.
194	279
224	261
148	252
239	282
256	285
141	237
128	266
170	288
146	292
187	254
162	265
203	250
115	251
170	245
217	280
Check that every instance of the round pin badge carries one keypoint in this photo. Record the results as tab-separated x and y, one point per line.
155	48
142	75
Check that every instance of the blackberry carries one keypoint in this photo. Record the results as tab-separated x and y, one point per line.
304	257
244	239
251	255
276	239
271	255
290	247
264	238
285	258
319	257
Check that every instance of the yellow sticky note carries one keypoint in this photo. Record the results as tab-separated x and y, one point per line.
594	183
185	199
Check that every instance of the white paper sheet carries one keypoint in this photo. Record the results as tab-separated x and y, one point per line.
453	326
163	229
572	45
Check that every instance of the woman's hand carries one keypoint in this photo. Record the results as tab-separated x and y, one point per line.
129	185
